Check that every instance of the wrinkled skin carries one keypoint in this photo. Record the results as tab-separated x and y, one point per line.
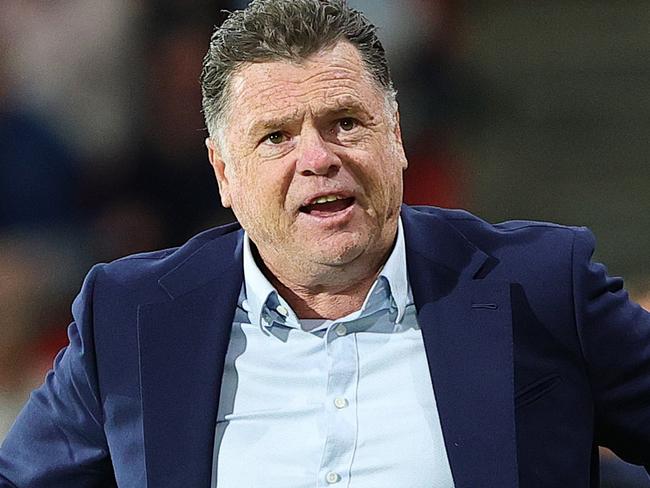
300	130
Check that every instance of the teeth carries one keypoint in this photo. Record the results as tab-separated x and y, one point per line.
327	198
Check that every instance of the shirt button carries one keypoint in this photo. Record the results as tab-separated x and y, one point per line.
340	402
282	310
341	330
332	477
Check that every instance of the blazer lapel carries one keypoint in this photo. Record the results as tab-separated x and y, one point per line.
182	346
467	333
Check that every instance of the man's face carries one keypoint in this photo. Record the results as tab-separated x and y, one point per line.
312	160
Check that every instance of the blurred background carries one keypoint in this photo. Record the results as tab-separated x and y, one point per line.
526	110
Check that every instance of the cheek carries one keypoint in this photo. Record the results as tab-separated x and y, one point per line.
381	178
387	193
243	195
259	198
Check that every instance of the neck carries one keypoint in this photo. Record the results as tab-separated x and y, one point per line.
325	303
331	294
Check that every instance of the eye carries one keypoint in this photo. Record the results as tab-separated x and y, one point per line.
275	138
347	124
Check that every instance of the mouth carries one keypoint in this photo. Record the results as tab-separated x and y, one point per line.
327	205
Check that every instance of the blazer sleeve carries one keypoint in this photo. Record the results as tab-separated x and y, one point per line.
615	337
58	439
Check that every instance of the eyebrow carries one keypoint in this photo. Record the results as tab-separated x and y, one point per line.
263	126
344	105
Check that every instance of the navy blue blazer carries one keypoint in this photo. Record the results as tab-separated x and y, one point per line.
535	354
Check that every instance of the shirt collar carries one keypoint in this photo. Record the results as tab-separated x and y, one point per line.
264	304
396	274
261	296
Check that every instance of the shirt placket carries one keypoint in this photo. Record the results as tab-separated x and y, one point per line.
341	406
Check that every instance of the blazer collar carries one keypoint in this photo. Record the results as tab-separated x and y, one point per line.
426	233
429	235
217	257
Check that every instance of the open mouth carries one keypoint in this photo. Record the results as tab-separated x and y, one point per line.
327	205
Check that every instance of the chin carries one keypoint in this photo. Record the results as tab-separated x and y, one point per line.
339	252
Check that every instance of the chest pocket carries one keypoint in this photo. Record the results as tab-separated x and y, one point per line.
536	390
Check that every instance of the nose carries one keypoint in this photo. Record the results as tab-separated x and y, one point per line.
316	157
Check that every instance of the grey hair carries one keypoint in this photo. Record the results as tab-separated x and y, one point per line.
274	30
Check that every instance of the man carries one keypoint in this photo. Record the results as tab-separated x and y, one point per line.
338	339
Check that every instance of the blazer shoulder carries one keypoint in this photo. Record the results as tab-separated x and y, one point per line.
476	228
516	244
143	270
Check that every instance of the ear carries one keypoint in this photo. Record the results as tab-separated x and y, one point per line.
219	167
397	132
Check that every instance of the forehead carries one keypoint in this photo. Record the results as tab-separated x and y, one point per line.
332	77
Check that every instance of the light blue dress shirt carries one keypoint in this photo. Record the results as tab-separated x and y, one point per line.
328	403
